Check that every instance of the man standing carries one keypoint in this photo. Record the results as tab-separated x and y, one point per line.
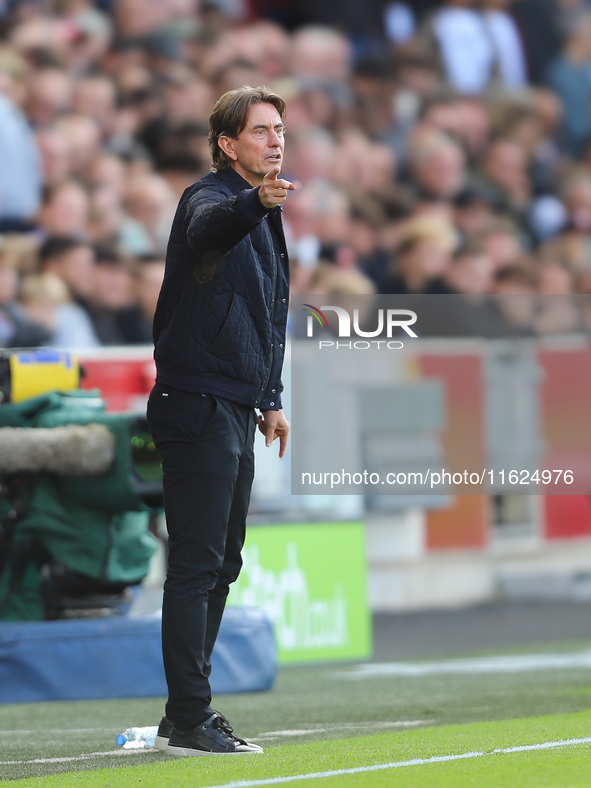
219	332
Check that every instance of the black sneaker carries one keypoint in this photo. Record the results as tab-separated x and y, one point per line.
214	736
163	735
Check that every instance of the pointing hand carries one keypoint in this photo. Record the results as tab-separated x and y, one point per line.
273	190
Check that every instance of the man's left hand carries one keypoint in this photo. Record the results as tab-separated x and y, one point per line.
273	424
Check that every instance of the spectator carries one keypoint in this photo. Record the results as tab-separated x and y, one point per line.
333	214
72	260
111	100
9	279
41	39
49	95
539	26
20	169
95	96
83	136
504	34
470	271
65	210
576	196
365	168
321	54
555	278
442	111
437	165
460	36
338	281
106	220
268	47
16	328
473	210
303	244
467	310
568	76
376	103
462	117
514	288
572	244
135	19
557	312
112	293
423	257
505	174
501	242
107	170
150	201
524	123
55	156
136	321
419	77
93	32
312	156
40	298
186	100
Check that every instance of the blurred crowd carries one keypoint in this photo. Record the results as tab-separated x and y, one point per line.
443	148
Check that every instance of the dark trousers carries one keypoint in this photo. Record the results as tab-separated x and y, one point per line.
206	443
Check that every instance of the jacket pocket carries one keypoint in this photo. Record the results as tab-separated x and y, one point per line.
218	341
237	346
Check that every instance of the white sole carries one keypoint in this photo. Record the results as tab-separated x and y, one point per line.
188	752
161	743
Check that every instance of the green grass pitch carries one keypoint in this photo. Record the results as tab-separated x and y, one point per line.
317	720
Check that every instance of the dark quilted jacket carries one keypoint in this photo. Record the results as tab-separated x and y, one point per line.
220	321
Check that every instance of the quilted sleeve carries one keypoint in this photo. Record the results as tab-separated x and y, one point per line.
216	223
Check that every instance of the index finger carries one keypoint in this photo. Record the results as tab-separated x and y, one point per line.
282	443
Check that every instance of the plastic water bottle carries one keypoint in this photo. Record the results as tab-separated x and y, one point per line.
137	738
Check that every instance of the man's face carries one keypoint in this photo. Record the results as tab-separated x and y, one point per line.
443	173
259	147
472	274
77	269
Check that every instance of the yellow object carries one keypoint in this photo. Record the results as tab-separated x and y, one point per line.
38	371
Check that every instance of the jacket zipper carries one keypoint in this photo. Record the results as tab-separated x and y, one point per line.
272	310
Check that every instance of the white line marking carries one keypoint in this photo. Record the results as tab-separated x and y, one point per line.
336	772
59	730
269	734
346	727
415	762
295	732
85	757
513	664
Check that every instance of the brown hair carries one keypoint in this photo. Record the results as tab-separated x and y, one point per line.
43	287
230	116
516	274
